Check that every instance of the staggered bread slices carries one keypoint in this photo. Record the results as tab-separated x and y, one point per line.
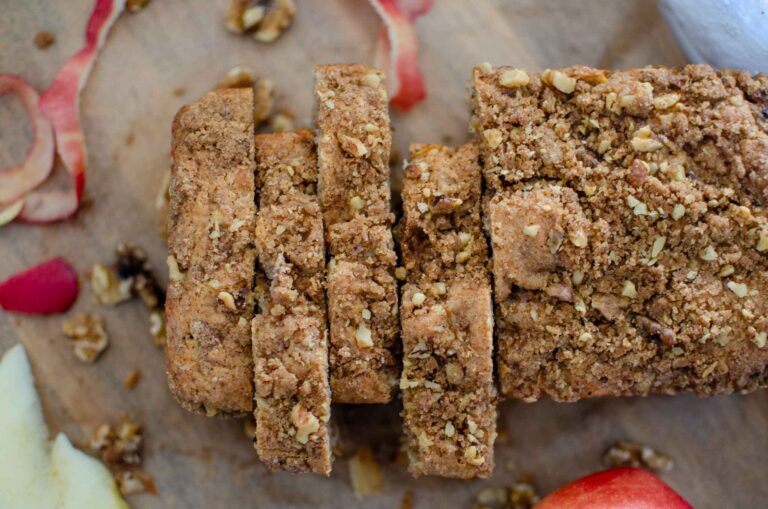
625	213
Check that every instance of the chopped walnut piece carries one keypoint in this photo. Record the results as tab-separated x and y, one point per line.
631	454
352	146
44	39
266	19
522	495
282	122
365	473
121	451
89	339
559	80
240	76
514	78
263	99
108	287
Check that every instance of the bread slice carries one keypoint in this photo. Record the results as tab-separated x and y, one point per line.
449	396
290	346
211	255
353	156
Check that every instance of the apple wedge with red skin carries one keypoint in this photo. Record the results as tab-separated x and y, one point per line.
616	488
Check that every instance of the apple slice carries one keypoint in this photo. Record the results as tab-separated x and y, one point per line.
83	480
616	488
32	474
25	463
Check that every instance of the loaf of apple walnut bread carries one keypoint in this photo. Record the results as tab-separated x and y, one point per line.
629	229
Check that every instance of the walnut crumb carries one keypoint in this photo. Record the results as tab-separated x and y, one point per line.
44	39
131	379
364	473
89	339
631	454
121	451
265	19
134	6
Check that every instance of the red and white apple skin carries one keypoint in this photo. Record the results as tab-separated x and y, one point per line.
616	488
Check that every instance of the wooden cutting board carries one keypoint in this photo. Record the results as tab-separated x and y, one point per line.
720	445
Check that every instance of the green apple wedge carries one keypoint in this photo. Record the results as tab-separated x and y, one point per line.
33	474
83	481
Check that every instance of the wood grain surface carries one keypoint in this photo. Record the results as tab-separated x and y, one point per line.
720	445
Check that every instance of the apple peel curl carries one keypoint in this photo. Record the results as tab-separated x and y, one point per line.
61	104
398	47
17	181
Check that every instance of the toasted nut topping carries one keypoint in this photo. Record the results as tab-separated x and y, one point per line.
643	140
228	300
740	289
709	254
423	207
440	288
664	102
424	441
531	230
727	270
559	80
366	314
352	146
465	238
762	242
356	203
760	339
493	137
173	269
363	336
678	211
658	245
401	273
578	238
305	422
485	67
418	298
629	290
470	454
513	78
450	429
371	79
577	277
463	256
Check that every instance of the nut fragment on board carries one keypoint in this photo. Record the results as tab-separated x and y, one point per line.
365	473
631	454
44	39
266	20
89	338
121	450
134	6
520	495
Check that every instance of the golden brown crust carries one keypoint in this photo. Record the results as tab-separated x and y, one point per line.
353	155
290	347
627	212
211	254
449	397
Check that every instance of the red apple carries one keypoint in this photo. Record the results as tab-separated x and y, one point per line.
616	488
